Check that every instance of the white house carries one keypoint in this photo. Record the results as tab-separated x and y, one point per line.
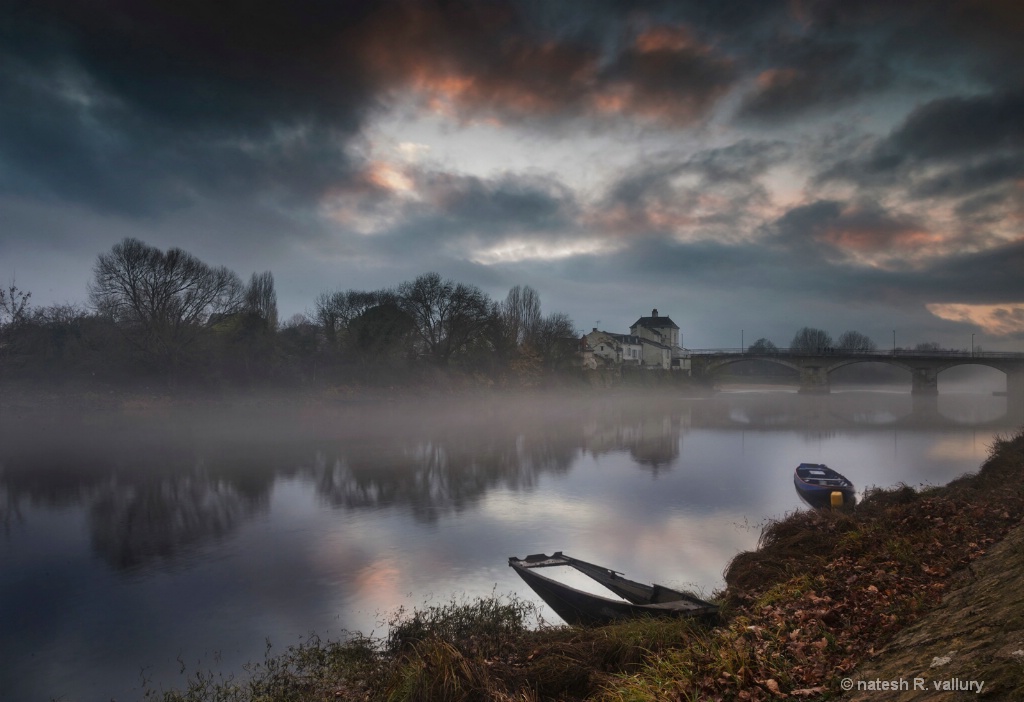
658	329
655	355
615	348
652	342
662	330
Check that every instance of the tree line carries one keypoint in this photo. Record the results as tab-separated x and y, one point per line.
167	314
811	340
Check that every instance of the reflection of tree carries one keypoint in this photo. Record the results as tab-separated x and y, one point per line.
436	473
154	487
135	523
147	493
52	476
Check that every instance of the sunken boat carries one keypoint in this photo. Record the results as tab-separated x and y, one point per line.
585	609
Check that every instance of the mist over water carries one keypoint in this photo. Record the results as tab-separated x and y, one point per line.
138	543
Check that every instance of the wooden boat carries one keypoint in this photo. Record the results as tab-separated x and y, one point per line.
815	483
583	608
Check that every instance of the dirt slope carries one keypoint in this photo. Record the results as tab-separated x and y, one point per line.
976	636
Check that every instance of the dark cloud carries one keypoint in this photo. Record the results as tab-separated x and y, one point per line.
510	202
955	127
741	161
258	135
825	55
965	152
714	193
992	276
504	62
807	74
832	231
781	278
194	65
455	212
139	107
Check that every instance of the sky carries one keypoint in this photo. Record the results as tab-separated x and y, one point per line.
748	167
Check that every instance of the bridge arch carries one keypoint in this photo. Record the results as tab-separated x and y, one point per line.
814	369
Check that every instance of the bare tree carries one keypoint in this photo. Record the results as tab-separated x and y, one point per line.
159	300
334	311
762	345
856	342
809	340
14	317
447	314
556	339
14	306
261	299
520	314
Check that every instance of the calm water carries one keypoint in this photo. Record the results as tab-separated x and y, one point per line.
137	545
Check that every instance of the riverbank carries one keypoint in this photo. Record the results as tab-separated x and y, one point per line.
826	597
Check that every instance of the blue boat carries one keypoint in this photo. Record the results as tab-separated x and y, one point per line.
815	483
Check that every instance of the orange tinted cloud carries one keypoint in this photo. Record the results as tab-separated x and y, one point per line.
776	78
388	177
473	67
859	239
368	203
1000	320
665	39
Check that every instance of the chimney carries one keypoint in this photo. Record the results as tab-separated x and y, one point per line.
595	329
654	312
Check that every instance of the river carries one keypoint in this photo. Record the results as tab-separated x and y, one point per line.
141	546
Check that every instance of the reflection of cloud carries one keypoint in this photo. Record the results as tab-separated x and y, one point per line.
512	508
682	550
954	448
379	583
1000	320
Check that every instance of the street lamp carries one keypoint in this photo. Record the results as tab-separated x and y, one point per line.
972	345
893	342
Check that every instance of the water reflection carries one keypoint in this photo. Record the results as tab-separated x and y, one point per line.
153	490
211	529
440	473
137	523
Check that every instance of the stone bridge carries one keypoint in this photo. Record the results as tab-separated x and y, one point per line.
814	368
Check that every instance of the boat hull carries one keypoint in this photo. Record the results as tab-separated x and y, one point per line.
586	609
816	482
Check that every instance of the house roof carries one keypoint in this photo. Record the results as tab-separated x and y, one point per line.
625	338
655	323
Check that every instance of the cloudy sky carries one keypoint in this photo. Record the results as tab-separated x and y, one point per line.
746	167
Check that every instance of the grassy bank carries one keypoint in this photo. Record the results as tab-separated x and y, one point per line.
823	591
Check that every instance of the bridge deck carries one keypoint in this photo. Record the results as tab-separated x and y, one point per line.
815	367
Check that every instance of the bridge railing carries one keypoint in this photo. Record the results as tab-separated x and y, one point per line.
832	351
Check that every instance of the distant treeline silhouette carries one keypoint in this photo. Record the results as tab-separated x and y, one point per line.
168	315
